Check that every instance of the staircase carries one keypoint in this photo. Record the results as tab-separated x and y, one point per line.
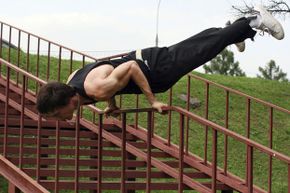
125	154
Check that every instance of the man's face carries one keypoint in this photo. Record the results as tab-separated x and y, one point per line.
63	113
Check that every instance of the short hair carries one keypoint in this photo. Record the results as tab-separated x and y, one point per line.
52	96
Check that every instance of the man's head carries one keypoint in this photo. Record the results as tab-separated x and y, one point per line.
56	100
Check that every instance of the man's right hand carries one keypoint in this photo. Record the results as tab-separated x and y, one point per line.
158	106
109	111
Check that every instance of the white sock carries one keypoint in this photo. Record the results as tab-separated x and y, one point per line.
256	21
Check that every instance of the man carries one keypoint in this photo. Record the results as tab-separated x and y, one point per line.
150	70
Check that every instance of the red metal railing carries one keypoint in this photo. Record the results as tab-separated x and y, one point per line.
23	80
19	178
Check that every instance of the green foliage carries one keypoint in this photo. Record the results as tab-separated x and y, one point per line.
224	63
272	72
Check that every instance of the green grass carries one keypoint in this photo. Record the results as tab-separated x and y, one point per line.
271	91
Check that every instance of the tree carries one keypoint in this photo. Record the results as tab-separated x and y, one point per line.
224	63
276	7
272	72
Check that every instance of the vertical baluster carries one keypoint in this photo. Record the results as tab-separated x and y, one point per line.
100	149
57	144
181	153
248	122
148	171
22	122
77	142
123	149
214	160
48	62
187	119
38	147
270	146
28	59
37	63
83	64
18	55
6	111
1	35
206	116
9	47
59	64
136	114
70	62
288	178
249	169
169	118
226	137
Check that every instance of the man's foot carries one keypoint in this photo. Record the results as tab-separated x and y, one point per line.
267	23
241	46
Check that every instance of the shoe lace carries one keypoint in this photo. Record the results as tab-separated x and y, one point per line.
262	31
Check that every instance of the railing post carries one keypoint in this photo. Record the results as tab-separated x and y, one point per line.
77	144
100	149
169	118
288	178
149	131
206	117
187	119
270	146
214	160
226	137
181	153
249	177
12	188
6	111
123	149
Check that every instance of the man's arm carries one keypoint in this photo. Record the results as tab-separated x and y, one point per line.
120	77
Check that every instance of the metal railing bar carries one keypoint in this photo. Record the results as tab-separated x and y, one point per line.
181	153
149	153
77	144
214	161
23	72
19	178
123	154
100	149
226	137
22	122
48	62
232	134
206	117
46	40
241	94
57	145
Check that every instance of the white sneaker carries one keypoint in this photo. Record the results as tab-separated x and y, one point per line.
241	46
268	23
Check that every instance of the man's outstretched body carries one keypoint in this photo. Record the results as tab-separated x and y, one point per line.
150	70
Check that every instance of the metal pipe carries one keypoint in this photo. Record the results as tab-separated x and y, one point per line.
181	153
100	149
206	117
149	155
214	161
123	149
226	137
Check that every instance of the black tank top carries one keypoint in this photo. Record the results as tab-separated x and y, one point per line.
77	81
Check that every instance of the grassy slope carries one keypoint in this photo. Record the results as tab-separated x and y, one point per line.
271	91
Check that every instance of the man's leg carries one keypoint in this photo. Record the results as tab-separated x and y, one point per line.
199	49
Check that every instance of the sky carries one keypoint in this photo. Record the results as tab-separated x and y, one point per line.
105	27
